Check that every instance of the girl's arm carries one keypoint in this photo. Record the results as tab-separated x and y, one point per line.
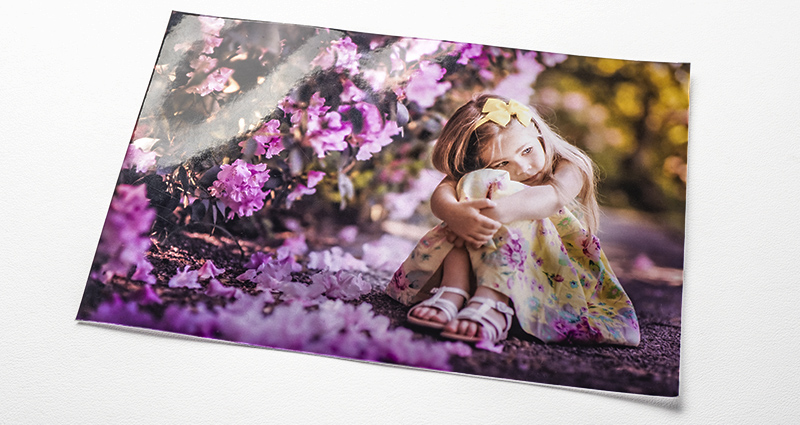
465	219
538	202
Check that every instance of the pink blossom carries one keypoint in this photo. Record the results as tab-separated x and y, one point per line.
520	84
403	205
298	192
552	59
342	54
210	42
217	289
424	86
257	259
136	157
123	243
208	270
203	64
307	295
342	285
416	48
351	93
374	134
272	272
267	140
315	177
185	278
118	311
591	248
239	186
295	245
146	295
214	81
348	234
335	259
375	77
327	133
468	52
387	252
143	272
211	25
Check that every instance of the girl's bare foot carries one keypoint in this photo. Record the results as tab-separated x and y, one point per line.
471	329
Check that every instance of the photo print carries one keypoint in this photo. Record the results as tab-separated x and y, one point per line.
459	207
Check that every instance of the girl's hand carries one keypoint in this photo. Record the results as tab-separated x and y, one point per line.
466	221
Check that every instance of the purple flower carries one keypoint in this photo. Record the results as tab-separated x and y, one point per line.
375	134
217	289
348	234
551	59
468	51
210	42
424	86
267	140
208	270
143	272
351	93
335	259
214	81
146	295
202	64
120	312
342	285
211	25
123	243
327	133
314	177
298	192
295	245
591	248
520	84
185	278
136	157
341	55
239	187
387	253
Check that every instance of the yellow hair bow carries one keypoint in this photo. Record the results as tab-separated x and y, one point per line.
500	112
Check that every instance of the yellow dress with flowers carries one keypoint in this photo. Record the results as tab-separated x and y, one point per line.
559	280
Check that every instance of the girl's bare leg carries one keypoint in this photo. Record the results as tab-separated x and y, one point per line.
470	328
455	274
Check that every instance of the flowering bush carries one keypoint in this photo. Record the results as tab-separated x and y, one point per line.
124	241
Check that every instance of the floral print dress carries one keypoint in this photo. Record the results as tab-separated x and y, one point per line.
559	280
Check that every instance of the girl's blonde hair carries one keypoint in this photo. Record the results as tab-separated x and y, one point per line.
461	148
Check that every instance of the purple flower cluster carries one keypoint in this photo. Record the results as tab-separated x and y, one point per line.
267	140
123	242
139	159
424	85
239	186
341	55
325	130
215	81
375	134
333	328
335	259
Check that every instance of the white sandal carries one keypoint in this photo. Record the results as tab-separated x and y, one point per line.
491	329
444	305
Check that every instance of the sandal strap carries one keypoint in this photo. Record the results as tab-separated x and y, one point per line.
449	308
496	331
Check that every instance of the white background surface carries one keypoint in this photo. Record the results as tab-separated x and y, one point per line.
73	78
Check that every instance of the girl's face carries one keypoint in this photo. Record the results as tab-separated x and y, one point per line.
518	151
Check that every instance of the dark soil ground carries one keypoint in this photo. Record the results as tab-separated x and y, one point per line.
651	368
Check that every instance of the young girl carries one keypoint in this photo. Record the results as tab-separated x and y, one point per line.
513	233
